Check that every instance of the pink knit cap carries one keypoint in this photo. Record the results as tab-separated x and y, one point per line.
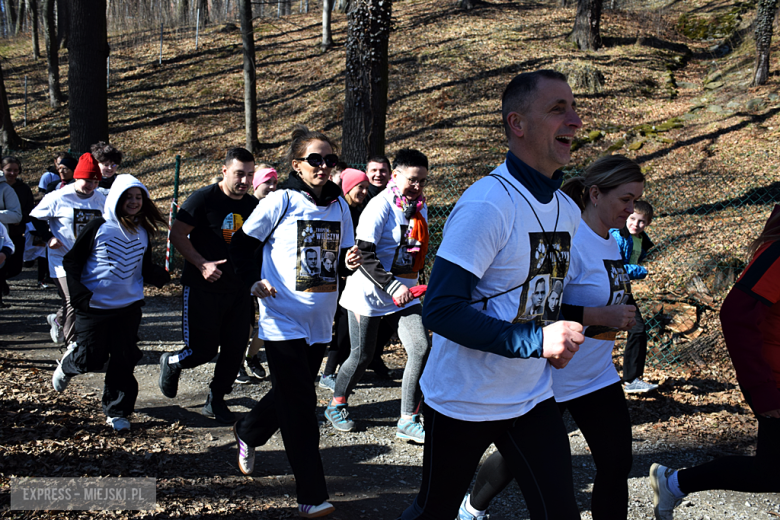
351	178
263	175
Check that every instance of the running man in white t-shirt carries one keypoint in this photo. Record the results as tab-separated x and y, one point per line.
488	379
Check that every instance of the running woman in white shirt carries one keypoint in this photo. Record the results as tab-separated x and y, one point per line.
307	214
595	293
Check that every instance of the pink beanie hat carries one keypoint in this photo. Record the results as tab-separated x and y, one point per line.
264	175
351	178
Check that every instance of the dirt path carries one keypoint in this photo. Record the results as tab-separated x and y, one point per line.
370	473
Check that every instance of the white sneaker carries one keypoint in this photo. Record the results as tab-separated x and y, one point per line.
118	423
307	511
637	386
664	500
60	380
55	331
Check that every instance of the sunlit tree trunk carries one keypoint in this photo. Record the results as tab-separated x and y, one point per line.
52	53
365	104
765	17
250	78
32	8
327	35
586	33
9	139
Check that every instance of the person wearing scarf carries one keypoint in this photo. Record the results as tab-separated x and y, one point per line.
393	237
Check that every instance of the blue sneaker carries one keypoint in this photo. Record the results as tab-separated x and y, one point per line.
411	430
464	514
339	417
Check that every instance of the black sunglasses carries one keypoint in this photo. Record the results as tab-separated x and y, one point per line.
317	160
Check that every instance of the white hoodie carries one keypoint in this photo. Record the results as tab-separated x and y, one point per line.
113	272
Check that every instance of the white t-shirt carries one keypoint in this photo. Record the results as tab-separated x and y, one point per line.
493	233
382	223
307	241
67	214
31	250
596	278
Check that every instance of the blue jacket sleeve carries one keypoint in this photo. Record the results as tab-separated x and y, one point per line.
635	271
447	311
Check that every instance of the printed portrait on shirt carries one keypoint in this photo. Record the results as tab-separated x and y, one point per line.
619	292
328	265
82	217
540	299
403	260
317	254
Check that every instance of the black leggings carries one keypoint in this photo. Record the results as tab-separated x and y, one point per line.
756	474
290	406
534	445
603	418
636	347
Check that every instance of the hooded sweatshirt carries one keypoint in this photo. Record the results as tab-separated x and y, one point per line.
10	207
107	264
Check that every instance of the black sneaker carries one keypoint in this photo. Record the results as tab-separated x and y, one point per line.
216	408
243	378
255	367
169	377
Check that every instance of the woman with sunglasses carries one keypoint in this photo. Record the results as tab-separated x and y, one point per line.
298	226
594	293
393	237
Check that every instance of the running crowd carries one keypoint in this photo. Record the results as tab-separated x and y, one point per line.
530	286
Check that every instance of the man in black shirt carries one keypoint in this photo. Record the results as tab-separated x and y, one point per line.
217	307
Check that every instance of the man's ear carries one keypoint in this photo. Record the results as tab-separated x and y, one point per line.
516	124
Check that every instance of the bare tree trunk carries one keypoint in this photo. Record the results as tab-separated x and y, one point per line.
9	139
88	51
10	13
765	16
183	11
20	14
63	23
342	6
32	8
327	35
52	53
586	33
250	76
365	104
203	5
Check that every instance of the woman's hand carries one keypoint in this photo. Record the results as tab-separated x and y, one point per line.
263	289
402	296
54	243
354	258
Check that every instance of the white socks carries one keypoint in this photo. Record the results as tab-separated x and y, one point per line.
674	486
470	509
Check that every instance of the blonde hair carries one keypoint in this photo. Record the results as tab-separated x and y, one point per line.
606	174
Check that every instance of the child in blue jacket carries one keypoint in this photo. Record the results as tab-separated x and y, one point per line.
634	245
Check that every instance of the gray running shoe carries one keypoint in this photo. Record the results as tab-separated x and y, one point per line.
411	429
664	501
119	424
328	382
339	417
637	386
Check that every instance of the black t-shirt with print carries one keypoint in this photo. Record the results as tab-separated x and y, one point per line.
215	217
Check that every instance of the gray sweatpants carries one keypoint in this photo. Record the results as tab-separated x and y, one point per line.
363	335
